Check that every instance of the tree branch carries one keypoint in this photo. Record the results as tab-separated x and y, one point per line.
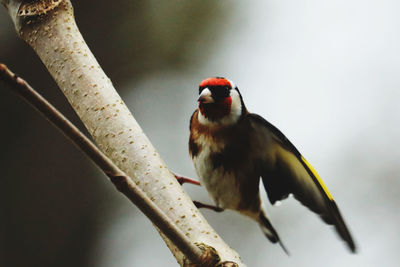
121	181
49	27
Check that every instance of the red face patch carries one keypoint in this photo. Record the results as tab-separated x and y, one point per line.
216	111
215	81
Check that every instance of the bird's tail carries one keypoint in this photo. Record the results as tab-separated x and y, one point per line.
270	232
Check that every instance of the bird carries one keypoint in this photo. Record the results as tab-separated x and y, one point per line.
233	149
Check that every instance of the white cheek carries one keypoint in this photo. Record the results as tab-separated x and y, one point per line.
236	106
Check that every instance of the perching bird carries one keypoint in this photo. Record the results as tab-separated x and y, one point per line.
232	148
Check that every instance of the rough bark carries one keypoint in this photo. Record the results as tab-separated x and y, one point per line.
48	26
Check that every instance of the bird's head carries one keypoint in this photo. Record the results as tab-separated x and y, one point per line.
219	101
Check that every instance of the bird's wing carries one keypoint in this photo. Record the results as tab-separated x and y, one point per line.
288	172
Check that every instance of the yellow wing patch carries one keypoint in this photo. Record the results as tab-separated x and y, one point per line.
318	178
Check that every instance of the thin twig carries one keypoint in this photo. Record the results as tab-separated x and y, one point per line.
121	181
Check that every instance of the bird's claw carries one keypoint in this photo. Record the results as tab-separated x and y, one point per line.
183	180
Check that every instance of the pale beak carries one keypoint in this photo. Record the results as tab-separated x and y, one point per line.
205	96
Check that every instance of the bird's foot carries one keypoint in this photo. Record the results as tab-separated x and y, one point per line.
201	205
183	180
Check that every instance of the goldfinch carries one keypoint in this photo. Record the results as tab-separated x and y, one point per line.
232	148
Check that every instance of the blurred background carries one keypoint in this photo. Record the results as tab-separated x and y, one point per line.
325	72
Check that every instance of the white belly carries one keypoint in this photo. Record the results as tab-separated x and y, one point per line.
221	186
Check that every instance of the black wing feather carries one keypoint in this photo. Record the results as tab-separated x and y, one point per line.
279	182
